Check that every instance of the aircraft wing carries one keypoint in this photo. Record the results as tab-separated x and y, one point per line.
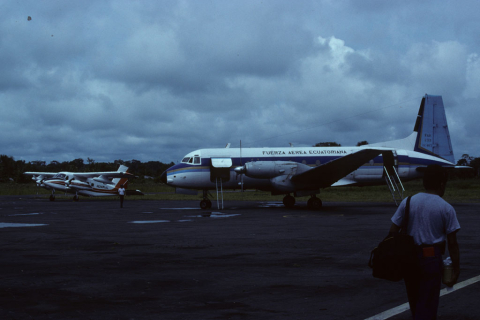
108	174
104	176
45	174
331	172
134	193
85	175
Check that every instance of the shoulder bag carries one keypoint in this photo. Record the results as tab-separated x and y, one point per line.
394	257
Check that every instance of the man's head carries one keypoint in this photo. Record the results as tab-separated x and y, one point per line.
435	179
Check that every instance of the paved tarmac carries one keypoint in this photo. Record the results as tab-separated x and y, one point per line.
171	260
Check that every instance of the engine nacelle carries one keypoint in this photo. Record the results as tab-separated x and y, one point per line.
39	180
102	179
282	185
269	169
78	184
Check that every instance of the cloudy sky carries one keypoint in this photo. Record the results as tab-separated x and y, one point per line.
154	80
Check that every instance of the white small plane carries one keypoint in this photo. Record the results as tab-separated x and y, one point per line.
303	171
91	184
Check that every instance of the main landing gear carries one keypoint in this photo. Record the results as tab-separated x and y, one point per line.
52	196
313	203
288	201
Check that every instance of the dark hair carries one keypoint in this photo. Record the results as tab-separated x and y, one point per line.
434	176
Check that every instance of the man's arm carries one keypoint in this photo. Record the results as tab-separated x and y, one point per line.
394	228
454	251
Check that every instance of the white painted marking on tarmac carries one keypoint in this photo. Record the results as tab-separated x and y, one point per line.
223	215
271	205
390	313
180	208
150	221
24	214
17	225
214	215
404	307
459	286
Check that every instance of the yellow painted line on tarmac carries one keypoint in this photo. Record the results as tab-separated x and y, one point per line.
404	307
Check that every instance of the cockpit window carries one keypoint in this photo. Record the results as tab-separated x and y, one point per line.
59	176
192	160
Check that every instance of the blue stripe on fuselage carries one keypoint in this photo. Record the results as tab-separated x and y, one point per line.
403	161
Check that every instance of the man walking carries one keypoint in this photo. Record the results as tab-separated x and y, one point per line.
121	193
432	221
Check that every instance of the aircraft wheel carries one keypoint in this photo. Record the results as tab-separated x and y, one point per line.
289	201
76	198
52	197
205	204
314	203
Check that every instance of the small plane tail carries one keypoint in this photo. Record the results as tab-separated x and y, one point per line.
121	181
430	134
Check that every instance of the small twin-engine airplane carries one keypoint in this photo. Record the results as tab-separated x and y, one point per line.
93	184
303	171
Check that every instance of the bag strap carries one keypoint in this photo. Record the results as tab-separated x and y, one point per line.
407	216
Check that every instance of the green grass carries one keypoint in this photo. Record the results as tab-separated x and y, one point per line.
467	190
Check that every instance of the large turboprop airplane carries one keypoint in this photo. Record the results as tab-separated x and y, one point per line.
92	184
303	171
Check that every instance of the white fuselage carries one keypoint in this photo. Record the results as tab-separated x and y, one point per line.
89	187
197	170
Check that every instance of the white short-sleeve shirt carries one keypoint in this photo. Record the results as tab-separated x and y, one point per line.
431	218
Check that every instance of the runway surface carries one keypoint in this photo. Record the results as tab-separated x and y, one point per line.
171	260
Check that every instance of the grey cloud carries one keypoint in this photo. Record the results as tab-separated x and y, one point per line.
154	80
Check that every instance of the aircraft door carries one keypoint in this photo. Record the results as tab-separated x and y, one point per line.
390	161
220	169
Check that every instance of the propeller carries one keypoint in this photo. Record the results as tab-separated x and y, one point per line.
68	181
239	170
38	181
242	168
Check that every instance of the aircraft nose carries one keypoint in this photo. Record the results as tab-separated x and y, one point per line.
163	177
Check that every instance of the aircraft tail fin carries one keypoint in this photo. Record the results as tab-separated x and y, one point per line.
121	181
430	134
433	137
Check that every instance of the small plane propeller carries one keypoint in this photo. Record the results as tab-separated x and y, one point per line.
67	183
39	183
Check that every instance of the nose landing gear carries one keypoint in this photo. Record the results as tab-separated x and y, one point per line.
52	196
205	203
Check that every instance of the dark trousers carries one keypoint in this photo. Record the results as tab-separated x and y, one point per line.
423	286
121	201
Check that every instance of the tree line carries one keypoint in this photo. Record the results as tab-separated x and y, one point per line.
467	160
12	170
